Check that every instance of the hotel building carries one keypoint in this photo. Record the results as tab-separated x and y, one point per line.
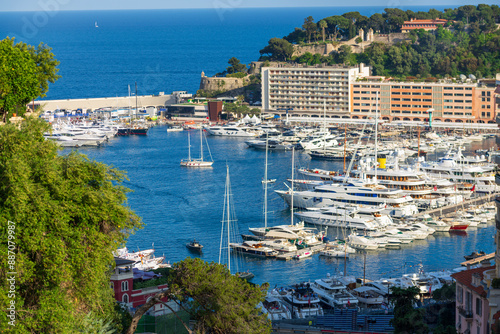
422	24
409	101
309	91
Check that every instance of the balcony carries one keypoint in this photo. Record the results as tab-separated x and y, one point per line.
467	314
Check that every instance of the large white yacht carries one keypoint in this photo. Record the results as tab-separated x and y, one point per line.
302	301
333	293
338	217
357	193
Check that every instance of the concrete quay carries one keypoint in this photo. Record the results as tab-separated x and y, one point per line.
107	102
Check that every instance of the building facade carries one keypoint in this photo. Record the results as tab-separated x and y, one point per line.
410	101
472	306
422	24
309	91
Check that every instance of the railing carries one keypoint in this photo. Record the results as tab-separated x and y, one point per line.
467	314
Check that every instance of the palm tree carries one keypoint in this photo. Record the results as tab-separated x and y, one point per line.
323	25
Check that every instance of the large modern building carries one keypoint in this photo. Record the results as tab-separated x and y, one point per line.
410	101
309	91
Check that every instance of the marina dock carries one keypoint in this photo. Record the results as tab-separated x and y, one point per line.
444	210
477	260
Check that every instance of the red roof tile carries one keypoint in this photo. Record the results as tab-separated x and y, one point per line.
465	278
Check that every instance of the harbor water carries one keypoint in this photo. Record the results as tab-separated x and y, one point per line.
180	204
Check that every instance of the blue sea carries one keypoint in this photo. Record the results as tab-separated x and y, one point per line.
161	50
166	50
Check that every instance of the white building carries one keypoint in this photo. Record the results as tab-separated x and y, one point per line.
306	91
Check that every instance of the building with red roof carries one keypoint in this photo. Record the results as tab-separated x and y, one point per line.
472	305
422	24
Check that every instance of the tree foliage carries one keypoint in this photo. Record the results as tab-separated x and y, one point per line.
218	301
69	215
406	318
25	73
278	50
236	66
471	45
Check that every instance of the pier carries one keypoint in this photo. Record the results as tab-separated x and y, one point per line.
444	210
477	260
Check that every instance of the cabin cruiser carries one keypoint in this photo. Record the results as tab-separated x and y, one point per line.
302	301
361	242
261	231
333	293
253	248
281	245
275	308
368	295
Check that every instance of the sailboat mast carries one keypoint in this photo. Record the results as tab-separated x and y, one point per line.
189	146
376	138
265	182
201	144
291	191
228	220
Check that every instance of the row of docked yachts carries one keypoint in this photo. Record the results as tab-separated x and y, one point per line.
312	299
79	134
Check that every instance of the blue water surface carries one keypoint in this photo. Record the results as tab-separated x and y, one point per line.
160	50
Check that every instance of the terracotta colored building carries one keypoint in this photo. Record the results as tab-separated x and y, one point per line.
410	101
422	24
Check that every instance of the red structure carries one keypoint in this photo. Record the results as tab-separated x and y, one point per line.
214	110
122	283
422	24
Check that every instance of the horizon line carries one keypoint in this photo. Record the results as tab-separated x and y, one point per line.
241	7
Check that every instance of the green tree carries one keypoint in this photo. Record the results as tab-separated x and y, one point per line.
406	318
236	66
68	214
323	25
337	24
218	301
25	72
310	27
278	49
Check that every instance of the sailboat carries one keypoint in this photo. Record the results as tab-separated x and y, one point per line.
228	218
96	24
191	162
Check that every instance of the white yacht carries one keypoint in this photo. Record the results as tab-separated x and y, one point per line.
358	193
338	217
333	293
230	131
275	308
302	301
361	242
368	295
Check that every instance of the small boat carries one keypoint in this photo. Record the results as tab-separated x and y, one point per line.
200	162
175	128
269	181
300	256
194	246
246	275
334	253
474	255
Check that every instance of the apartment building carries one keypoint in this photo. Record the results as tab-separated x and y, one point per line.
309	91
410	101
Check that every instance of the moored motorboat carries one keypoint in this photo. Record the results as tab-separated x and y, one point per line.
194	246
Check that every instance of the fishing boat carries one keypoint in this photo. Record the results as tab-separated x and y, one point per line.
200	162
194	246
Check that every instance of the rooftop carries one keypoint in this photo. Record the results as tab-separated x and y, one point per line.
465	278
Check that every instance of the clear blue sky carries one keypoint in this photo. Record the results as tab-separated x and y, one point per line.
36	5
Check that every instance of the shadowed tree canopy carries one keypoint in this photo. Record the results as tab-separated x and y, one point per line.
69	215
25	74
278	50
406	318
218	301
236	66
